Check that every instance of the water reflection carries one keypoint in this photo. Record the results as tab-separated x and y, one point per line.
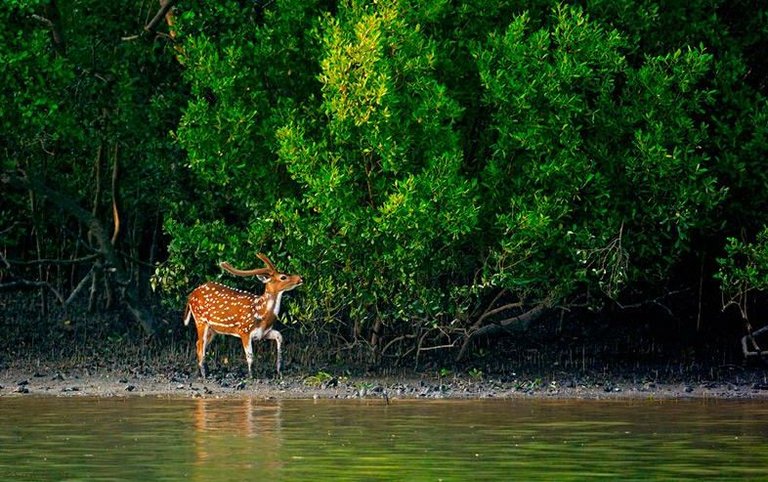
247	438
244	433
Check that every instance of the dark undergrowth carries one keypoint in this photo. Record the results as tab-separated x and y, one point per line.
639	350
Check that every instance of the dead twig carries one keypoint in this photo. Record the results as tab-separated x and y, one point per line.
36	262
23	283
655	301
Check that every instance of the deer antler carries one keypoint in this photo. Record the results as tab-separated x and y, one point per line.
250	272
267	262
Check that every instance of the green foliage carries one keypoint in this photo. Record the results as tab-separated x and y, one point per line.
71	111
475	374
744	269
412	160
378	170
317	379
366	185
595	173
244	78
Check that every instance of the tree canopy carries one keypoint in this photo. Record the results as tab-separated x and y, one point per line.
435	171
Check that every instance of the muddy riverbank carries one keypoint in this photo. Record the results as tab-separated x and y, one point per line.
45	380
587	362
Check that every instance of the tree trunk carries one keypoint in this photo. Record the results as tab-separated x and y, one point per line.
112	262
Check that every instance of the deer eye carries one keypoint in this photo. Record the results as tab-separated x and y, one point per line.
283	277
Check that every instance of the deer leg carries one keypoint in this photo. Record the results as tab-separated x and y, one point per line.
201	328
204	336
275	335
248	348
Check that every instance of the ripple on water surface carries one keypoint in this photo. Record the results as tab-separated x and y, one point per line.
229	439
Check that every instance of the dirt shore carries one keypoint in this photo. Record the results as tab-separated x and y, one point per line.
74	382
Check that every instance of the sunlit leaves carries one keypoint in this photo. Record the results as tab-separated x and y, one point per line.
381	183
589	152
409	156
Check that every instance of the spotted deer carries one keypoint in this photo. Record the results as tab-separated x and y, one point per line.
220	309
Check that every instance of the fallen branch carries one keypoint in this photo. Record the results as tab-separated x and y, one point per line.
756	350
439	347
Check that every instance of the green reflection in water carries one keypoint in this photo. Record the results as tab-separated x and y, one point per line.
236	439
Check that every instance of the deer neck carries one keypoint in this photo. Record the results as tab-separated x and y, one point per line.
273	301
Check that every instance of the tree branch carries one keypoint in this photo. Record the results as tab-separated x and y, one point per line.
655	301
79	287
23	283
59	262
519	323
115	212
482	317
52	20
496	311
9	228
165	6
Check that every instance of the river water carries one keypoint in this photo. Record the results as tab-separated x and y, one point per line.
152	439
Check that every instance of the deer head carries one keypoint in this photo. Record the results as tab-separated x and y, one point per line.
269	275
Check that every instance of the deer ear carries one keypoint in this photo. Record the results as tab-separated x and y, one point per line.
263	278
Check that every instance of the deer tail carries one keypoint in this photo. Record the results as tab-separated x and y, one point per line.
187	314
